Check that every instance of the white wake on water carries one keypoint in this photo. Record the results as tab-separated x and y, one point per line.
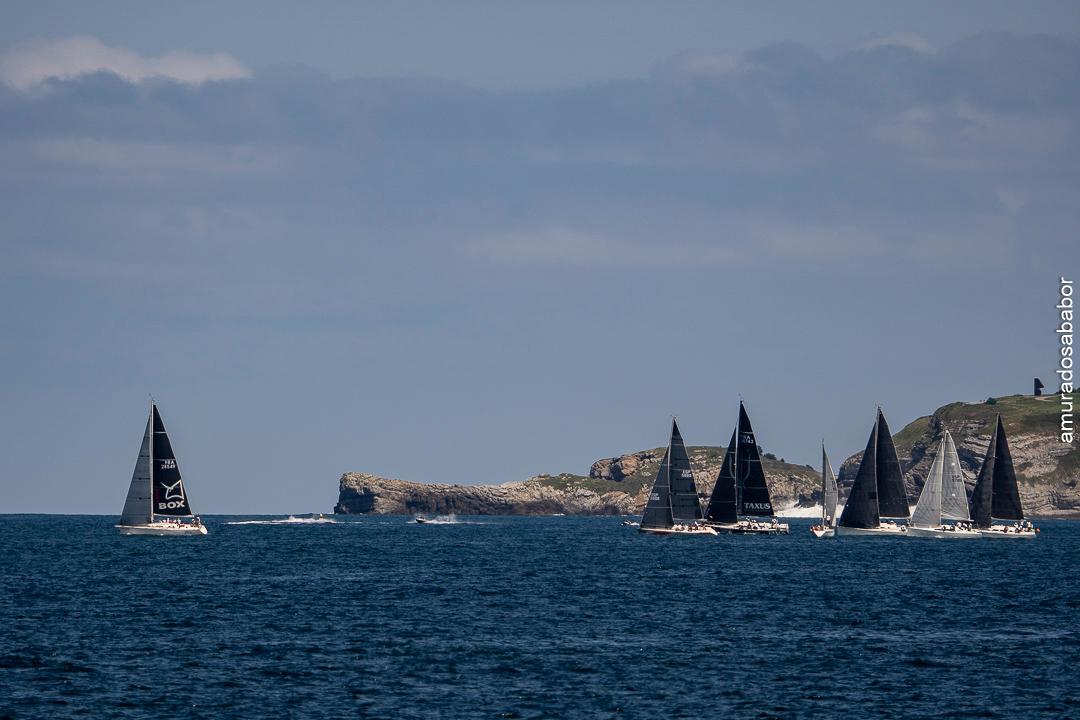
438	520
291	520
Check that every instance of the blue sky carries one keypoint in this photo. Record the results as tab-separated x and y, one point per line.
512	239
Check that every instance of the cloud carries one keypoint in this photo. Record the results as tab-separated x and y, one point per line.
710	160
29	64
571	248
907	40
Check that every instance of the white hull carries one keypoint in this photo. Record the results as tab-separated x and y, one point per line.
680	530
823	532
162	529
1008	532
750	527
949	532
885	529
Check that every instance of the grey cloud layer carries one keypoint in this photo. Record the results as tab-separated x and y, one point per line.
779	152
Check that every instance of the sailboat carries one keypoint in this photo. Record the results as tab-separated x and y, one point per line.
943	496
157	503
740	502
877	498
829	497
673	507
996	496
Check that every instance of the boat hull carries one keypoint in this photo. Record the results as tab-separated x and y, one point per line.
823	532
947	532
162	529
748	527
886	529
699	530
1008	533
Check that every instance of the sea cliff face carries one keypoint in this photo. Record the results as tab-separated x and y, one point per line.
614	486
1047	469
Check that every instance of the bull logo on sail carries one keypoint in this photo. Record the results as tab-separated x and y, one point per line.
173	496
174	491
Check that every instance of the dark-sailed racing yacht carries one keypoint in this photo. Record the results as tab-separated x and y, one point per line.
157	503
673	507
740	502
878	497
996	495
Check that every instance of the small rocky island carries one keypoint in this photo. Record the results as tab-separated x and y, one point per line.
1047	469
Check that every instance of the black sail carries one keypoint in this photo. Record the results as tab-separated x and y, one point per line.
658	507
1005	503
861	508
983	496
685	504
753	491
722	507
170	497
892	495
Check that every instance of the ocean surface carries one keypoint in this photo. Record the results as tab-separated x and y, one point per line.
553	617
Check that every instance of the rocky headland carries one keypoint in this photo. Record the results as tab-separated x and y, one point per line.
1047	469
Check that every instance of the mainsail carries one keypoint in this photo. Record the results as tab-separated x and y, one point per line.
954	502
169	496
722	505
829	492
996	494
752	489
137	507
861	508
685	504
658	507
892	495
928	510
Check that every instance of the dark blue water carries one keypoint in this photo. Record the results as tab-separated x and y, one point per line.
531	618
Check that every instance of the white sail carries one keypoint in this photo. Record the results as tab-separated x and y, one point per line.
830	495
137	506
928	510
954	501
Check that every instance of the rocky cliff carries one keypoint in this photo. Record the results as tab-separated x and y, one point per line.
1048	472
1046	468
614	486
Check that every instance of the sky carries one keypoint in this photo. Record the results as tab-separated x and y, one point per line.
475	242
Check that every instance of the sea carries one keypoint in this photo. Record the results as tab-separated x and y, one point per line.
530	617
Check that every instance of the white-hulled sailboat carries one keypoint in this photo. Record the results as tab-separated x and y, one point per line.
740	503
943	496
878	493
829	499
673	507
996	496
157	503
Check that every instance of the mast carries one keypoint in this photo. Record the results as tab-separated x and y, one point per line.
657	513
151	493
996	495
723	504
824	485
685	504
954	502
137	505
828	491
861	508
928	510
1005	504
754	497
891	491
